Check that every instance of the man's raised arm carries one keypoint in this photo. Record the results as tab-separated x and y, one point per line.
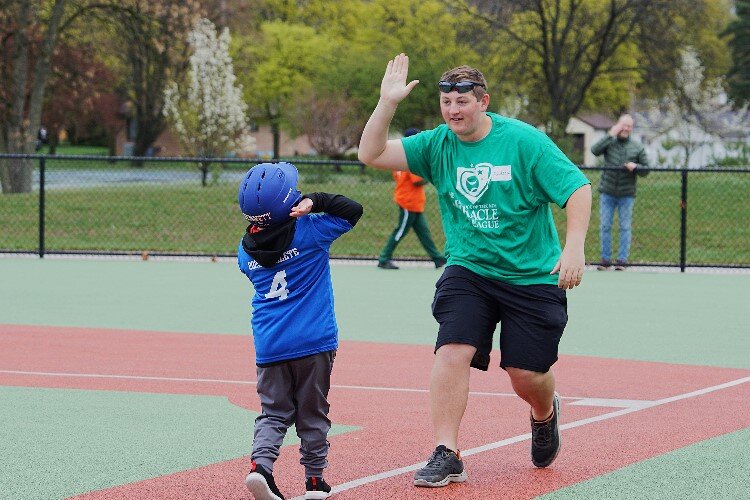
375	149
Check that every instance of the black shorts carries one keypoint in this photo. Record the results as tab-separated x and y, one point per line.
532	318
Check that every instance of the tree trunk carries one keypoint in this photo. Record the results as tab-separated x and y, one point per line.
22	126
276	131
204	167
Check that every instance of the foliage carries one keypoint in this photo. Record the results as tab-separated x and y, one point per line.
80	95
276	65
739	74
208	116
553	51
326	48
152	38
695	110
332	122
29	31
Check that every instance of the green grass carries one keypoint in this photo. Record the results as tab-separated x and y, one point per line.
190	219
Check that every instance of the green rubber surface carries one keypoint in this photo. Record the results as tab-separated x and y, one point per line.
698	319
99	439
680	474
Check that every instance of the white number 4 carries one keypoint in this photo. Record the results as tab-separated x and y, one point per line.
278	287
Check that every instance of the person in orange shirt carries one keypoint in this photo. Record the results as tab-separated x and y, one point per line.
410	197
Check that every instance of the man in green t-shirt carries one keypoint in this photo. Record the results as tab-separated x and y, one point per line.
495	179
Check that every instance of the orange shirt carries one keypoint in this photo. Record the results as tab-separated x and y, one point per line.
407	195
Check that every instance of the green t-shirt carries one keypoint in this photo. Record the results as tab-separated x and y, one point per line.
494	197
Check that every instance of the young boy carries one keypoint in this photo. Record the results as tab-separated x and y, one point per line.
284	253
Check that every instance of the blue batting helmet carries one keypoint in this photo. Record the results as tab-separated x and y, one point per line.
267	193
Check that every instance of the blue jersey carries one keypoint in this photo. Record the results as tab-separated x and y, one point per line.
293	313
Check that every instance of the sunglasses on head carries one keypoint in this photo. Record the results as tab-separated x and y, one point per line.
460	87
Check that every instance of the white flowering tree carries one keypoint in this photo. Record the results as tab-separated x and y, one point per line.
209	116
695	113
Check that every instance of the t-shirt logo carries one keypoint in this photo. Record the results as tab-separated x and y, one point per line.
473	182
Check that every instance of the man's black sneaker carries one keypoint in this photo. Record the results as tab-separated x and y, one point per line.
604	265
261	484
317	488
545	437
620	265
387	265
443	467
440	262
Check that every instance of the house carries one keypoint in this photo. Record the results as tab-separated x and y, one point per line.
586	130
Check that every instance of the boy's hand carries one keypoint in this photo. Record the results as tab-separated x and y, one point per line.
302	208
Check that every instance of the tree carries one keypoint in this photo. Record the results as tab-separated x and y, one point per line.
28	34
566	45
739	74
152	37
325	46
80	94
275	66
209	116
332	122
567	55
695	112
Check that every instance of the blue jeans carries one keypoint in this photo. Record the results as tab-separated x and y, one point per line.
607	206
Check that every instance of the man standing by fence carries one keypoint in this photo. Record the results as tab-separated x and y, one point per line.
624	160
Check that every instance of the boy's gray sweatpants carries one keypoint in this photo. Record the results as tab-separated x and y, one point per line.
295	392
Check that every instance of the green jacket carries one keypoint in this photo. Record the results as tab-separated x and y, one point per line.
616	179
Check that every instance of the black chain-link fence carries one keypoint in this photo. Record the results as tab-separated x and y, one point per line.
122	205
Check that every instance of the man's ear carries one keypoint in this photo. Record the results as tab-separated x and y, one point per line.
485	101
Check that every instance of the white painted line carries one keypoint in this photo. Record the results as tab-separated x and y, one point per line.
128	377
523	437
632	406
240	382
614	403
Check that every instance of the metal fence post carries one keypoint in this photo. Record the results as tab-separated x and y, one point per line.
41	206
683	220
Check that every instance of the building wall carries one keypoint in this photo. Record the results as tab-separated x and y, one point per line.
590	136
168	145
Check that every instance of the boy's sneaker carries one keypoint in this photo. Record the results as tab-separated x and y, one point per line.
261	484
317	488
443	467
545	437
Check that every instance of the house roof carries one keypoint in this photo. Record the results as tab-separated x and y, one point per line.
596	120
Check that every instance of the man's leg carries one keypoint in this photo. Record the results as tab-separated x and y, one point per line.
532	324
606	214
535	388
425	238
625	215
467	319
402	227
449	391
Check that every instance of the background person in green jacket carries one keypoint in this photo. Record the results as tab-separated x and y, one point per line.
624	160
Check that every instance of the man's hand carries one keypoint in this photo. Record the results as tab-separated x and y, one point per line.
570	266
630	166
572	260
302	208
394	88
615	130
